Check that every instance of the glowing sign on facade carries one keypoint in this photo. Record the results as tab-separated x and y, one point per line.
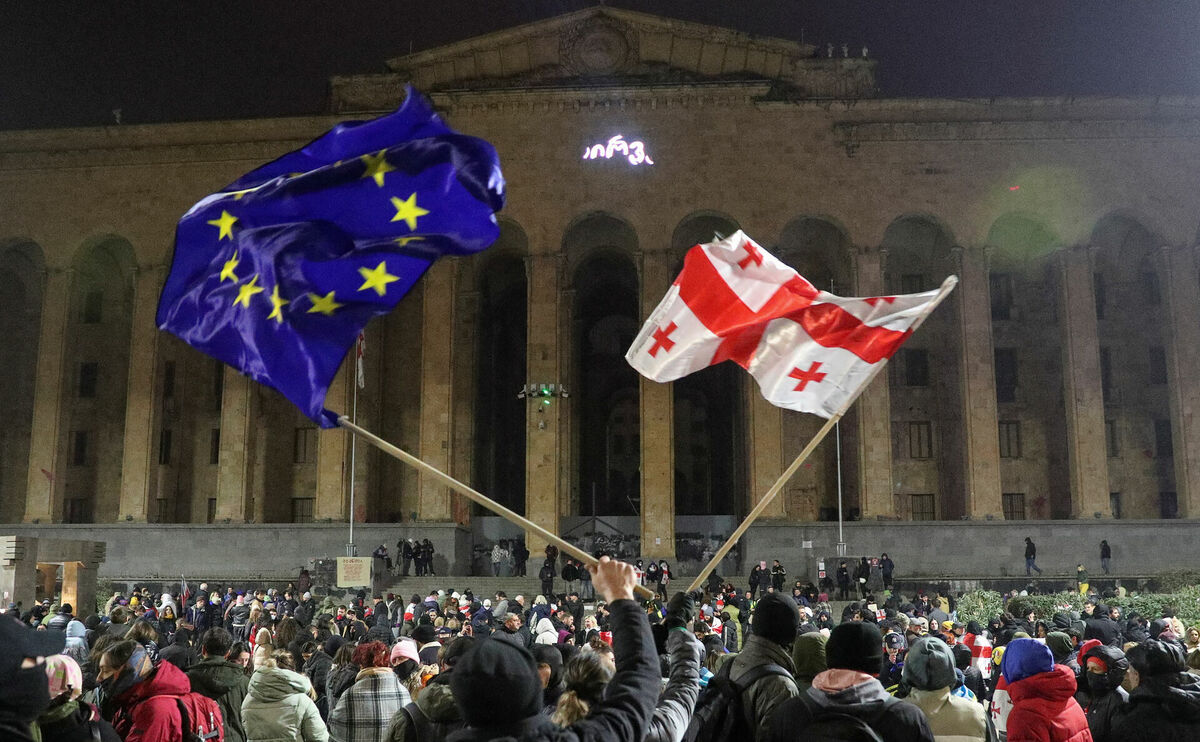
635	152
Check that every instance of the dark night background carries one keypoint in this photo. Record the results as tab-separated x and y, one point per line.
173	61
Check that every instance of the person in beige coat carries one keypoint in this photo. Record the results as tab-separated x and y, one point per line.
929	673
279	704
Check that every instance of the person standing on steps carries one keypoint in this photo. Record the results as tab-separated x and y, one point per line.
1105	555
1031	557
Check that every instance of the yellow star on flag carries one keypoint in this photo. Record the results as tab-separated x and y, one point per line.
227	273
402	241
277	302
377	167
224	224
247	290
407	211
377	279
323	304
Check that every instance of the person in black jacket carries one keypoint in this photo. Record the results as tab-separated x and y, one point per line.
858	647
843	581
1105	556
862	573
546	575
1164	705
1031	557
499	693
778	576
887	567
1101	626
758	578
1104	669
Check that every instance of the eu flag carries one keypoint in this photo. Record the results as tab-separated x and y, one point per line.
277	274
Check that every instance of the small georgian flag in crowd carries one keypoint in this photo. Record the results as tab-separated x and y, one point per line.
809	350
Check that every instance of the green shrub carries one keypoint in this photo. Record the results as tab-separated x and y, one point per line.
982	605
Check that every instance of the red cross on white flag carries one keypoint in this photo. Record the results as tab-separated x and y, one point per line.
808	349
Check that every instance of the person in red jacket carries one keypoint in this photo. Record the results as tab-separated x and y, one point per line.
1044	707
148	699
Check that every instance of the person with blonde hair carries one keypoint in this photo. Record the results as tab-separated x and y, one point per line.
279	703
587	675
264	645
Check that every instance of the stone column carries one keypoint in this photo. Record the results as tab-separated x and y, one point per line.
437	387
48	442
238	410
79	587
874	411
1183	359
18	569
657	416
333	451
142	397
1083	396
543	423
764	422
981	447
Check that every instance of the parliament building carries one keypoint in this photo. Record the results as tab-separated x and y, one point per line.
1058	383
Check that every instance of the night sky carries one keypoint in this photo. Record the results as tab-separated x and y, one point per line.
174	61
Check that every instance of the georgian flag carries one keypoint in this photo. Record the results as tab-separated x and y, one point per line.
809	350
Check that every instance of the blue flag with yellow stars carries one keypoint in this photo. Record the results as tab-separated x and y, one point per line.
277	274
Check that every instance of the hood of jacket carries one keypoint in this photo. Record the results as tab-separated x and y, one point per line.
437	700
166	680
1058	684
276	683
808	655
848	689
1177	693
1024	658
545	626
215	677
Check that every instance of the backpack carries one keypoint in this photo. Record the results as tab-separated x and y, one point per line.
719	713
426	729
829	725
200	730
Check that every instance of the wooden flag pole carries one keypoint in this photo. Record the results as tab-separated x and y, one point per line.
478	497
947	286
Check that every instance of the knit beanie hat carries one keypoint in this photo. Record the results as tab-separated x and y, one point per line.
855	646
1026	657
776	619
64	675
405	648
1060	645
496	683
929	664
424	634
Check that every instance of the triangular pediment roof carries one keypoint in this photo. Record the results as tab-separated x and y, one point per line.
602	43
604	47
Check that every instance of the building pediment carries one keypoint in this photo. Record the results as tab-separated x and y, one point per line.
609	47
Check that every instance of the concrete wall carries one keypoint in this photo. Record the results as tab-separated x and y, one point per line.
937	549
967	549
228	551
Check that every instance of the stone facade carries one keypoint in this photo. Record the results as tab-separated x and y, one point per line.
1056	383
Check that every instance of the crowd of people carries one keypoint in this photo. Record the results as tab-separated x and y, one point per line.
722	663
